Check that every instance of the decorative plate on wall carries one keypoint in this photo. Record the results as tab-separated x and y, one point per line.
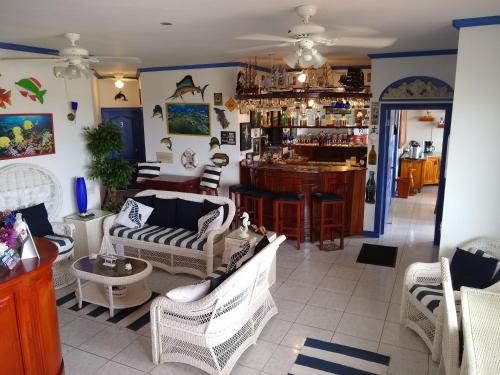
189	159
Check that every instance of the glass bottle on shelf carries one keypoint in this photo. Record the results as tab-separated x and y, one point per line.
372	156
370	188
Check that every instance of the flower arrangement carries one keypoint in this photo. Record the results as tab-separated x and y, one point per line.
11	228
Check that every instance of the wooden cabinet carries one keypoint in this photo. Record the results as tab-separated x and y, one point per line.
424	171
432	168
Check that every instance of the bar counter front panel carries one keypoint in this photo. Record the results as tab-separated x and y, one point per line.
310	178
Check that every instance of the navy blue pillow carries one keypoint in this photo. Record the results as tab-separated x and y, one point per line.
147	200
471	270
188	213
37	219
210	206
164	213
216	281
262	244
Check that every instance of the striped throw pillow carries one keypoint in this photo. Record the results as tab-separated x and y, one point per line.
211	177
209	222
147	170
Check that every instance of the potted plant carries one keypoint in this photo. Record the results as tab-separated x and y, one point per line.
105	144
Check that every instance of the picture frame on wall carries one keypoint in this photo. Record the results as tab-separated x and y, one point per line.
26	134
228	138
256	146
218	98
245	136
249	157
188	118
255	119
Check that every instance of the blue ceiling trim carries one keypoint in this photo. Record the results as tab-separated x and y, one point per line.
478	21
23	48
391	55
201	66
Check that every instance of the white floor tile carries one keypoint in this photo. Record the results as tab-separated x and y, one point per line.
275	330
109	342
298	334
64	318
360	326
334	284
398	335
356	342
243	370
288	310
329	300
393	313
80	330
380	292
319	317
404	361
367	307
256	356
137	355
294	292
78	362
113	368
172	368
345	272
281	361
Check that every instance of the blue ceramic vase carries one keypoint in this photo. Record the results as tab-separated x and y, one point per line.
81	194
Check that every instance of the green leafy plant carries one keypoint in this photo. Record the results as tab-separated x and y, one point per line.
104	144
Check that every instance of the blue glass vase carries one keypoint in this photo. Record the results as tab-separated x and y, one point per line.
81	194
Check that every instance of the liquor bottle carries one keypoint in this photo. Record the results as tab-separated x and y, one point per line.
370	188
372	156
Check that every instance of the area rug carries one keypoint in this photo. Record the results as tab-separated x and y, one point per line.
378	255
133	318
321	357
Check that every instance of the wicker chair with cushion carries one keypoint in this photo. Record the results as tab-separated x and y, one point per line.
422	295
25	185
214	331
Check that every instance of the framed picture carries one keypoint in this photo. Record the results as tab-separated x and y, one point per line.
227	138
23	135
249	157
245	136
256	146
217	98
374	113
255	119
188	118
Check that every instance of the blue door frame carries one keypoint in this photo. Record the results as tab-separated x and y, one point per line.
383	148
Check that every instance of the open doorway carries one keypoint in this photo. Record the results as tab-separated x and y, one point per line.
402	123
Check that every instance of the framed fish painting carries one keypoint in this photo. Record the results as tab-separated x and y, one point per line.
188	118
24	135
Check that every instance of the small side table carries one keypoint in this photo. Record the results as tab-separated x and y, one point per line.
88	233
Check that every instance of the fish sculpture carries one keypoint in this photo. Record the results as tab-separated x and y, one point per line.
220	159
121	96
167	141
157	111
185	86
5	98
221	117
214	142
31	88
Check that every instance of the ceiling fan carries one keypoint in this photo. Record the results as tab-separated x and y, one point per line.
306	36
78	61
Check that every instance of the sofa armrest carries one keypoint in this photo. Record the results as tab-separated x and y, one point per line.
108	223
67	229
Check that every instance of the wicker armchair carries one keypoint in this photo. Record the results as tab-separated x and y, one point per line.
213	332
23	185
416	315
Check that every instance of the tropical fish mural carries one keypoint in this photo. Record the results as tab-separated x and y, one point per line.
121	96
26	135
186	85
167	141
31	88
221	117
214	142
5	98
157	111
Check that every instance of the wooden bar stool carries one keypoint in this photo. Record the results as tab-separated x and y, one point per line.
253	203
294	201
236	194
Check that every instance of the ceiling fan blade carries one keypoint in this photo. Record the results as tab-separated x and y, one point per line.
259	48
268	37
50	59
347	41
110	59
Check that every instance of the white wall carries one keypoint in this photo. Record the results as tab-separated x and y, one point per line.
388	70
157	86
422	131
107	92
472	199
70	159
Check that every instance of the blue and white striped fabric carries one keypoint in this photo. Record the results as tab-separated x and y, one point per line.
64	243
320	357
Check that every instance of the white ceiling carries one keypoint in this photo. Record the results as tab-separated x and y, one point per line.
204	30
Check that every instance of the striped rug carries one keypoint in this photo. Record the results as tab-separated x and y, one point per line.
320	357
133	318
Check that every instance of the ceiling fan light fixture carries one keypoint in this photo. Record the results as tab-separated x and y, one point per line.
292	59
318	60
302	77
71	72
119	84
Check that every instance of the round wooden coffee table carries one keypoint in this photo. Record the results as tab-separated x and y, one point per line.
100	281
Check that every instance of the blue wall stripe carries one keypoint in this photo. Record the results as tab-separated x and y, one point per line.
334	368
392	55
23	48
201	66
477	21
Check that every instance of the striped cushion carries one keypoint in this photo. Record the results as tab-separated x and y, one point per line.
211	177
64	243
430	295
178	237
148	170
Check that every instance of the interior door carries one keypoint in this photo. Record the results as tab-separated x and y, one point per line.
130	123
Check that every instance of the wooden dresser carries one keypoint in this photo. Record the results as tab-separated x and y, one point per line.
424	171
171	182
29	342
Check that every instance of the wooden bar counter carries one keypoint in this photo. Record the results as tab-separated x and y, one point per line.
309	178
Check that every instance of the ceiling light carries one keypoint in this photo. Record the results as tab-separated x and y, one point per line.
71	72
302	77
119	84
307	54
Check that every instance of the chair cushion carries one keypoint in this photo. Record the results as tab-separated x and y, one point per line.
328	197
259	193
289	197
147	170
430	295
485	254
37	219
178	237
211	177
210	206
188	213
471	270
164	213
189	293
64	243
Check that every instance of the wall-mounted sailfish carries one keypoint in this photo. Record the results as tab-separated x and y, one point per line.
185	86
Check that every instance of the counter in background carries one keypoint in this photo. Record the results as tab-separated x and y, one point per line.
425	171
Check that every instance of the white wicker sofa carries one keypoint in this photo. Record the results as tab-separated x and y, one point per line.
173	249
213	332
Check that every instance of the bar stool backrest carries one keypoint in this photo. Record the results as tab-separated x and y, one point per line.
336	184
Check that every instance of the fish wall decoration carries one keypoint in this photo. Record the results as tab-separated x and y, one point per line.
214	142
121	96
31	88
5	98
158	111
186	85
221	117
167	141
220	159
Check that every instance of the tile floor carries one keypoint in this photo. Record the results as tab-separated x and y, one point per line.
324	295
